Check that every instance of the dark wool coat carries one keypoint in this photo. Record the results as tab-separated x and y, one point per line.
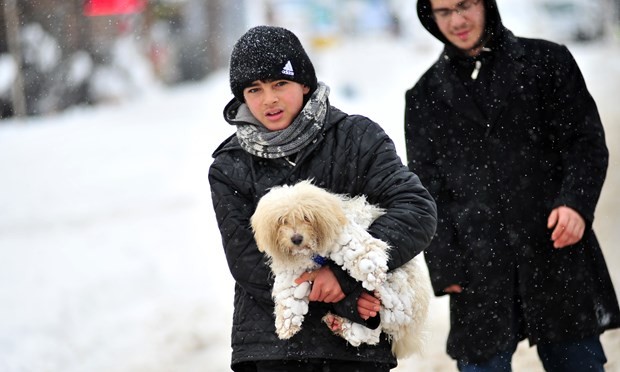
498	157
352	155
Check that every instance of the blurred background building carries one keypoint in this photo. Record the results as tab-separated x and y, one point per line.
56	54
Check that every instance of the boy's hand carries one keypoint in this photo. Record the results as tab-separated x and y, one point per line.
368	305
325	286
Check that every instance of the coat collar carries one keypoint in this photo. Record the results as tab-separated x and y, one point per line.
508	62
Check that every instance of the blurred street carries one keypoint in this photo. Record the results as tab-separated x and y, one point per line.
110	255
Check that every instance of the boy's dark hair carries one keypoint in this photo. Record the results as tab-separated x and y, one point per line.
269	53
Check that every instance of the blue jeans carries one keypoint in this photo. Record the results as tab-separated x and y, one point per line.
582	355
574	356
501	362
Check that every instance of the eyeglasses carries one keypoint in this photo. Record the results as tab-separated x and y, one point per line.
462	8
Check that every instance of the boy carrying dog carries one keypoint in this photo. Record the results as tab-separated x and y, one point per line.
287	131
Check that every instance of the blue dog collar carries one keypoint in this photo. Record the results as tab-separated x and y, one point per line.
319	260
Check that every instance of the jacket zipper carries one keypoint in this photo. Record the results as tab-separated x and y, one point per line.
474	74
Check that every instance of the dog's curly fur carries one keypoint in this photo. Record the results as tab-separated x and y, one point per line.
294	224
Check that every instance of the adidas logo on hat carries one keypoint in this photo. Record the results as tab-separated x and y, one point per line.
288	69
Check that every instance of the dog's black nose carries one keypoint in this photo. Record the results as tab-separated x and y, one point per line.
297	239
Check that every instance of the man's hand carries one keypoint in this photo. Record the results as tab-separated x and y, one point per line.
569	226
454	288
325	286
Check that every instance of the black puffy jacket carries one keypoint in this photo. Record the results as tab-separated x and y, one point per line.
353	155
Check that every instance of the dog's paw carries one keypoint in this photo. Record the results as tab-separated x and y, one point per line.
288	323
355	334
334	322
291	306
288	330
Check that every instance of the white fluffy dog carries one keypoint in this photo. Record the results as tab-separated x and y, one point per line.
296	224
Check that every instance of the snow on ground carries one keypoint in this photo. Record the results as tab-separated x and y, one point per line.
110	257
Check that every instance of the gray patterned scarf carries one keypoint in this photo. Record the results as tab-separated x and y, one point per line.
259	141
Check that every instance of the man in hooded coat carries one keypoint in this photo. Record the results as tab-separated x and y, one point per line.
505	135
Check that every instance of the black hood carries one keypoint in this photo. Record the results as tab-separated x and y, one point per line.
492	28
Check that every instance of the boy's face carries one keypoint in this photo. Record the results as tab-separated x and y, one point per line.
461	22
275	103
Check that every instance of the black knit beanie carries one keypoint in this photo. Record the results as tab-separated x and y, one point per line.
269	53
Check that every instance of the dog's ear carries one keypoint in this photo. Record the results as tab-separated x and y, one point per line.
258	228
328	217
265	221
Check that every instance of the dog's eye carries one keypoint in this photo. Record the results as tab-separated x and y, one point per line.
307	219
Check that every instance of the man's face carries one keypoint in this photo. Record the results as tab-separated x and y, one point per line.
275	103
461	22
